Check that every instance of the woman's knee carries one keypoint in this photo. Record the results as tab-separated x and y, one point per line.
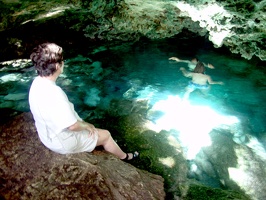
106	133
103	136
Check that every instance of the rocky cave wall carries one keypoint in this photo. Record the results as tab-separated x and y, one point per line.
238	25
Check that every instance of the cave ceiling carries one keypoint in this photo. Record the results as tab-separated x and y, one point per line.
238	25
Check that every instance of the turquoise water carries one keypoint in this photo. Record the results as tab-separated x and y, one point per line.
142	74
125	87
147	65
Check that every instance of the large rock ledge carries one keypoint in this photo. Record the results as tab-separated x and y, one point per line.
28	170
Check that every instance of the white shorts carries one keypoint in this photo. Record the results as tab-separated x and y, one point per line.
68	142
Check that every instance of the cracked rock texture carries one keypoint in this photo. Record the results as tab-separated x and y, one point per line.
237	24
28	170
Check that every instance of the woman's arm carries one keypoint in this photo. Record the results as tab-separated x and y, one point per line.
210	81
185	72
81	125
178	60
209	65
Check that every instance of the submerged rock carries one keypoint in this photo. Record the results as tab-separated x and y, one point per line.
31	171
238	167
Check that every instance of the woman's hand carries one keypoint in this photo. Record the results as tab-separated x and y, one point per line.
210	66
82	125
91	128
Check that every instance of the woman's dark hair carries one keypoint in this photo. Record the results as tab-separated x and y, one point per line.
44	58
199	68
196	59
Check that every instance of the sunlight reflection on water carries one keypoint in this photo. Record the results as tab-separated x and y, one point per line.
193	122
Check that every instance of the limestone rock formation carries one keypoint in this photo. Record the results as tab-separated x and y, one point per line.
28	170
238	25
239	167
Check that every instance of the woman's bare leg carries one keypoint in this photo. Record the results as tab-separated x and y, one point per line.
105	139
187	93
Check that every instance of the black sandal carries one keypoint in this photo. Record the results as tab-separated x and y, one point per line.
134	157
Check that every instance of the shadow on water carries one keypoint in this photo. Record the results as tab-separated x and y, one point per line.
131	89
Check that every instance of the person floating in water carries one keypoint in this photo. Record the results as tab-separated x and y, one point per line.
191	63
199	79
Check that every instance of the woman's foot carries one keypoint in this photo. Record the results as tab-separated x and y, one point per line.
131	156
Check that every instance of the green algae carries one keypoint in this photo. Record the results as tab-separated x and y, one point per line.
200	192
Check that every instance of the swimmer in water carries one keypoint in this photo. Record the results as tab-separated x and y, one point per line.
199	80
191	63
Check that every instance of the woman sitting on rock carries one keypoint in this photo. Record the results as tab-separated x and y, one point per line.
58	125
